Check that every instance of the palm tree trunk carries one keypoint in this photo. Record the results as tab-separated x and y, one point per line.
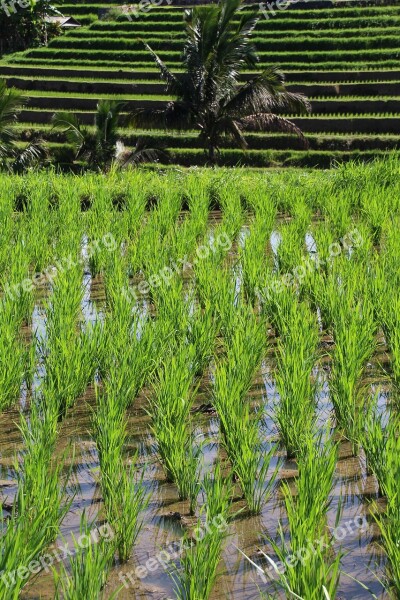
212	155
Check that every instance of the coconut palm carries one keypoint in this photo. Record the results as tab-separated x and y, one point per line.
12	157
101	146
209	95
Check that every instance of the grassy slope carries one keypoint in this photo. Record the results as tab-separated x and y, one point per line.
346	59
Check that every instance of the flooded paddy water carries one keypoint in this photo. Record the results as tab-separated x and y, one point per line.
166	519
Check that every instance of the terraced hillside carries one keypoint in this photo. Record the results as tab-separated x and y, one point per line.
346	59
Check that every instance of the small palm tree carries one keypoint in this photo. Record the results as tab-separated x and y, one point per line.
209	96
96	147
11	157
101	146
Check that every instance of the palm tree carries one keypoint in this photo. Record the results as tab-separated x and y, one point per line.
11	157
101	147
209	96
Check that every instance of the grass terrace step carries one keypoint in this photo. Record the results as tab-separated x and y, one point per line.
167	45
177	34
146	66
335	76
365	124
256	141
175	14
266	58
272	158
102	88
319	107
272	25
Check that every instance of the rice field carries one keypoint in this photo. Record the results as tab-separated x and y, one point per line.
199	384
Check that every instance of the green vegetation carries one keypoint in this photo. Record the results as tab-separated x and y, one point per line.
343	58
201	355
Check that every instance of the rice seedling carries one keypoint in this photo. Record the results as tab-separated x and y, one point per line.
381	445
37	229
22	539
40	504
296	356
253	253
88	567
18	288
170	406
389	526
128	338
208	271
230	203
123	489
354	336
202	333
13	360
69	350
336	208
376	209
244	342
173	309
291	249
240	426
250	462
386	300
124	510
316	567
43	485
219	493
195	576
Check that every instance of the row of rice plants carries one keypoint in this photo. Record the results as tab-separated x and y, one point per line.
16	306
296	357
172	427
252	253
125	363
292	239
313	567
189	336
381	443
195	576
70	349
244	347
213	283
189	330
387	298
86	572
41	501
350	313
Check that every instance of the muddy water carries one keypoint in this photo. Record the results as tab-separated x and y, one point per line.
166	518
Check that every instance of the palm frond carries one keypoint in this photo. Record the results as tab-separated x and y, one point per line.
271	122
11	103
172	83
72	129
233	129
33	154
140	154
177	116
267	93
